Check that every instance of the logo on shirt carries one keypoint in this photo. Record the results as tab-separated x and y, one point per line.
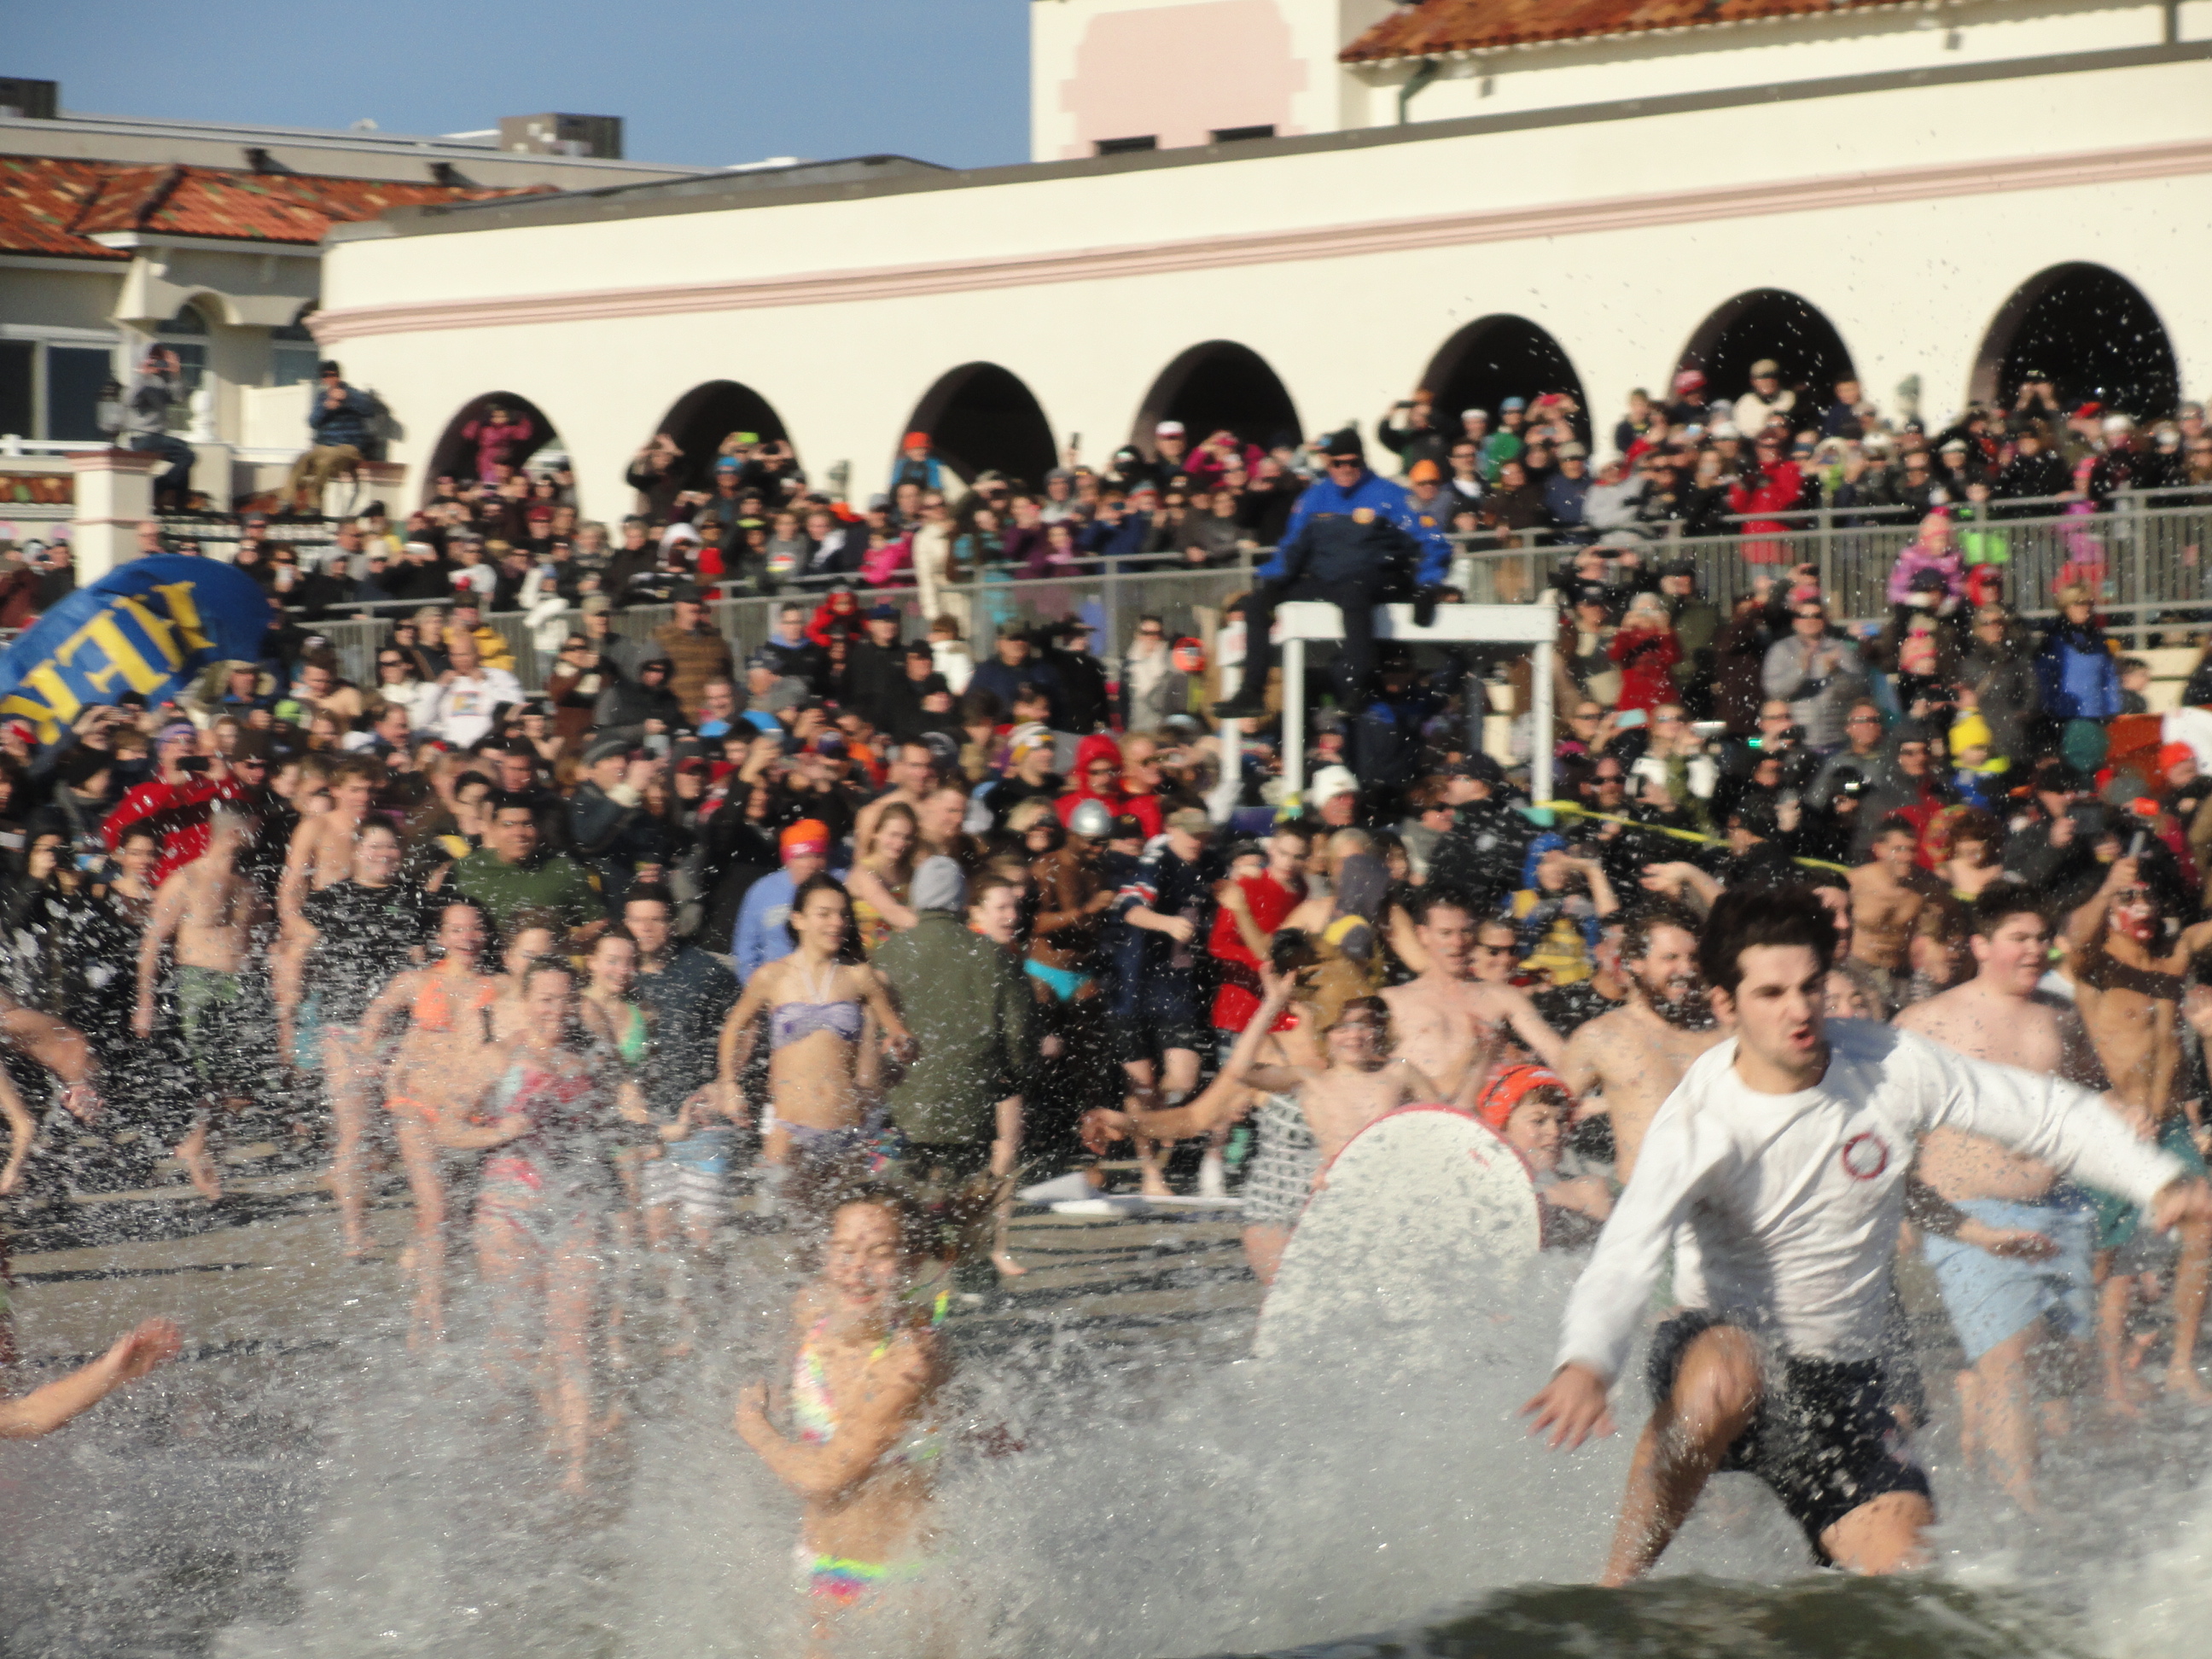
1865	1155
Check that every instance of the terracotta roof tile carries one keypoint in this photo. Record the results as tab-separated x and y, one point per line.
1436	27
51	205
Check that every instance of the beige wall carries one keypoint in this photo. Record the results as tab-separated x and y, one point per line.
1908	216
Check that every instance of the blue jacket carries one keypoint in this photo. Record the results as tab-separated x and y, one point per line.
348	423
1385	499
2077	676
763	934
1126	540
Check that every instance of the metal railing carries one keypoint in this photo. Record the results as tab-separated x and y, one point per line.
2147	564
1188	601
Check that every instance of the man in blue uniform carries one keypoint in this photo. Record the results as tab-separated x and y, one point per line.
1353	540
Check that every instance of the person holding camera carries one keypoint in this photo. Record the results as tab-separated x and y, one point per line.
154	391
341	423
1815	670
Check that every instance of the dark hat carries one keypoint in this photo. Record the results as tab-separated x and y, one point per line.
1680	567
920	648
943	748
604	749
686	594
1346	442
1126	827
883	613
329	366
767	659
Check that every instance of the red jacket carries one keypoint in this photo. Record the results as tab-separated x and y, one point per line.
1096	747
1778	491
1645	656
830	617
178	811
1238	998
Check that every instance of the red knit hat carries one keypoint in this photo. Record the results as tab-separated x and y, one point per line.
1509	1087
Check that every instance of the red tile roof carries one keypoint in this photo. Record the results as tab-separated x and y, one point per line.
1436	27
51	205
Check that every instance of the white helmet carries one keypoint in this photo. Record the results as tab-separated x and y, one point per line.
1090	820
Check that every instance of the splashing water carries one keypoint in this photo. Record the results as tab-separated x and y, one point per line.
1116	1493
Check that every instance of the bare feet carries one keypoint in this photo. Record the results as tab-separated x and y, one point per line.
200	1166
1007	1267
2183	1382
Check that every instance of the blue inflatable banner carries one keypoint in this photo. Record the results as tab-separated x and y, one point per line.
150	626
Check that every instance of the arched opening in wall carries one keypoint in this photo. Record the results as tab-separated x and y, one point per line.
982	418
497	426
702	417
2090	333
1216	385
1497	357
1769	323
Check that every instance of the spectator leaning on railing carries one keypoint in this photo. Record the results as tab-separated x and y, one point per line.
156	388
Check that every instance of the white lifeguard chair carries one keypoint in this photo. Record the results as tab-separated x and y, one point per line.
1299	622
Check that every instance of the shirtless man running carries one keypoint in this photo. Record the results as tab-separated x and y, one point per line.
1636	1055
2128	984
1447	1021
1363	1078
1778	1172
1888	893
1998	1303
209	910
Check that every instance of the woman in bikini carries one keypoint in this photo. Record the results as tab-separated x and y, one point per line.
531	937
556	1105
882	876
431	1077
824	1018
863	1447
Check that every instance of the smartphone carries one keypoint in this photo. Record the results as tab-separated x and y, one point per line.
193	763
2135	843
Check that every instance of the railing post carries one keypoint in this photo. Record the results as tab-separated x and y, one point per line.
1110	601
1826	528
2131	504
1292	661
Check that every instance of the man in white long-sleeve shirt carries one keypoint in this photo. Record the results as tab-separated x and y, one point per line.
1778	1171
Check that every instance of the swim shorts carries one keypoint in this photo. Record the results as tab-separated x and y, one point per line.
846	1583
2119	1220
1824	1440
1990	1297
213	1017
1279	1178
693	1175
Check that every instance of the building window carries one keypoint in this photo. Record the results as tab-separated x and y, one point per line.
186	334
1239	135
1128	146
50	387
292	357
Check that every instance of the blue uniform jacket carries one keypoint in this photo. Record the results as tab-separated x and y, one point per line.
1383	498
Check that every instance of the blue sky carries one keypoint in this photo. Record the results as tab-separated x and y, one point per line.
709	82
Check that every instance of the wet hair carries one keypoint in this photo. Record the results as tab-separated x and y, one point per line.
1744	921
139	832
2000	901
457	902
1436	897
369	827
919	1233
1896	824
1636	931
506	800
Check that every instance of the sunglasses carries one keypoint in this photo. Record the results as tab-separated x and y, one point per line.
1494	950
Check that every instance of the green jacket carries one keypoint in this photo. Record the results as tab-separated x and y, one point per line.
550	881
974	1019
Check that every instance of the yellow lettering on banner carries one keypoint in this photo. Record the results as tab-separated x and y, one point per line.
184	612
124	657
157	629
61	703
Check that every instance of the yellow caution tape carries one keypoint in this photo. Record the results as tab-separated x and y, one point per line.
1577	809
